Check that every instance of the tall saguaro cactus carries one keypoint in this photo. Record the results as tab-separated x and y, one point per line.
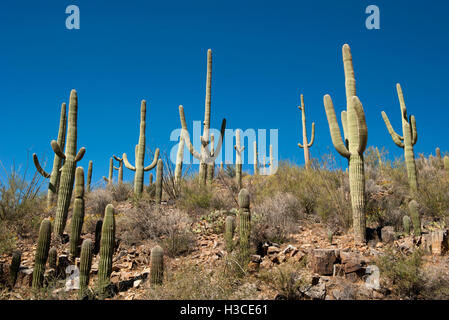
43	246
244	224
204	156
119	169
238	159
139	169
57	160
256	160
89	176
356	137
106	249
179	160
68	169
159	172
305	142
78	212
407	140
109	179
211	166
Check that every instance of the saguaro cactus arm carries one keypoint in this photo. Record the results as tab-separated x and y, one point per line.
80	154
153	164
397	139
127	164
44	173
312	137
355	103
211	158
414	131
334	127
185	134
57	149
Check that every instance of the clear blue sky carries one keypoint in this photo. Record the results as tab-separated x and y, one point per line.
265	53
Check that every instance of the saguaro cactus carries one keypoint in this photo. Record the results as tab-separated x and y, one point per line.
406	222
119	169
205	156
159	172
85	265
68	169
106	249
211	166
229	233
256	160
78	212
157	266
55	175
109	179
52	258
245	225
414	214
98	227
305	142
89	176
14	267
356	137
139	169
40	259
407	141
179	160
238	159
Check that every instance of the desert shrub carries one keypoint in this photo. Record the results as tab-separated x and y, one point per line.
8	239
120	191
275	218
198	199
98	199
147	221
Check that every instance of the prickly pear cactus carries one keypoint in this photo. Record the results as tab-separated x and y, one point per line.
89	177
414	214
68	169
157	266
55	175
85	265
106	250
229	233
244	225
40	259
139	169
14	267
78	212
159	172
353	146
406	222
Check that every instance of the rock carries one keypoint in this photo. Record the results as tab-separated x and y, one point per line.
63	263
345	292
317	292
289	249
323	261
426	242
253	266
266	263
273	250
137	283
338	270
24	277
373	279
388	234
353	276
438	241
351	261
256	258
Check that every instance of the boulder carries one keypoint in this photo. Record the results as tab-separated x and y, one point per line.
323	261
388	234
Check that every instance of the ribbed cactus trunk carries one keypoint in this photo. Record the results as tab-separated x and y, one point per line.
306	145
157	266
85	266
244	225
109	179
98	227
14	267
414	214
179	160
211	166
119	169
106	249
229	233
238	159
40	259
205	157
353	146
139	168
89	177
68	169
52	258
159	173
256	160
406	223
78	213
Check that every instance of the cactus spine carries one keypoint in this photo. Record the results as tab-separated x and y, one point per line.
407	141
85	265
256	160
157	266
43	245
89	177
245	225
414	214
14	267
52	258
229	233
55	175
139	169
305	143
106	249
211	166
78	212
352	148
109	179
119	169
205	156
68	169
238	159
159	172
179	160
406	222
